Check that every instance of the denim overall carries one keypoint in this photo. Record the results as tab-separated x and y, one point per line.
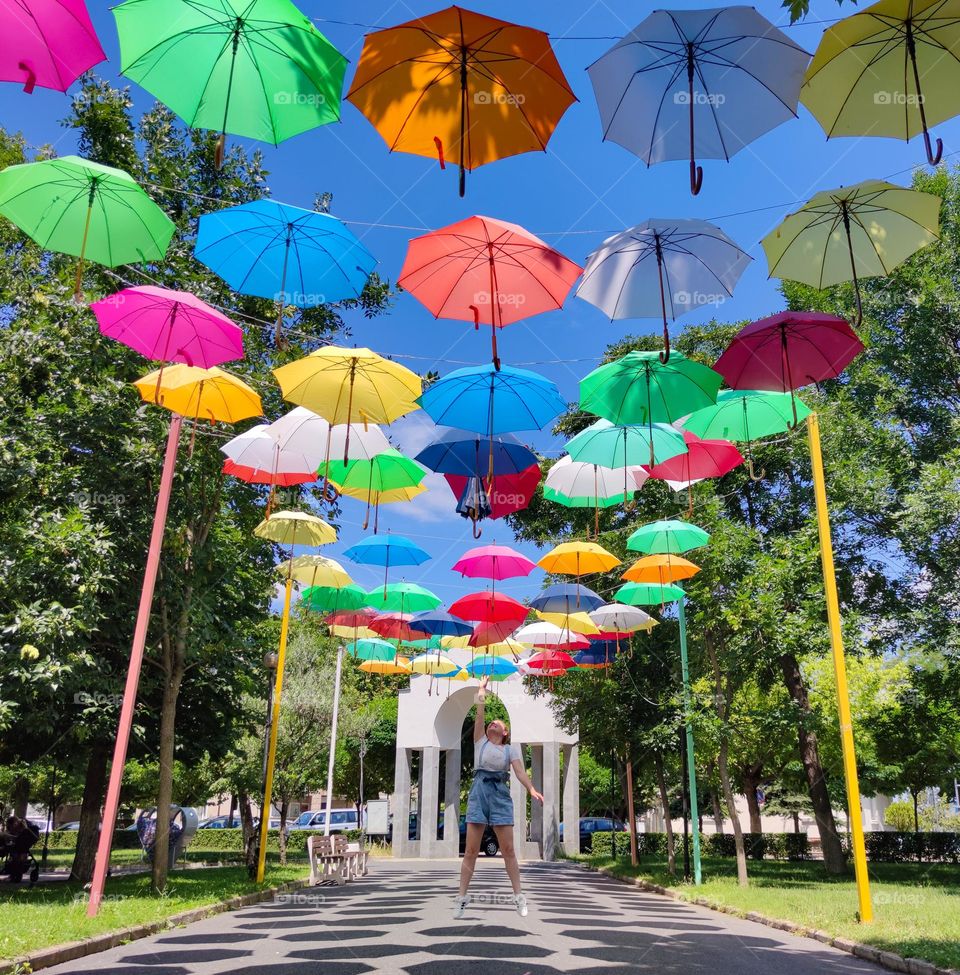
489	800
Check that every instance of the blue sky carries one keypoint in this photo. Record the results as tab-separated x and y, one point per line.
574	195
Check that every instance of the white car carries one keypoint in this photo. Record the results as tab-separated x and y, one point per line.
341	820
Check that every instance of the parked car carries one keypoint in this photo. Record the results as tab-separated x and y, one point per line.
590	825
75	825
220	822
489	844
341	820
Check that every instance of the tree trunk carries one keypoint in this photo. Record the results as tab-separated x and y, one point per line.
233	809
667	823
21	796
916	811
246	816
830	845
750	778
88	835
796	822
717	813
168	719
282	839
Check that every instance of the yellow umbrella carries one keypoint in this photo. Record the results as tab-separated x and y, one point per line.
661	569
377	498
505	648
459	674
578	559
400	666
352	632
574	622
203	394
451	642
315	570
432	662
296	528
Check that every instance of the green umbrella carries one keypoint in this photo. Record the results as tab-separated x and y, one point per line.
256	68
745	415
327	599
623	445
402	597
372	649
86	210
647	594
386	471
667	538
639	388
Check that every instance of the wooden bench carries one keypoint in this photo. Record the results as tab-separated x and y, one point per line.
333	856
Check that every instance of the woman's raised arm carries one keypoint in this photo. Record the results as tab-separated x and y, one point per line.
479	722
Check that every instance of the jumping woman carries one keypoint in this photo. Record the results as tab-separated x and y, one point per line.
490	803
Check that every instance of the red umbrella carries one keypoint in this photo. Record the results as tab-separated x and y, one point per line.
394	626
512	492
787	351
347	617
488	272
704	458
486	633
489	607
551	662
254	475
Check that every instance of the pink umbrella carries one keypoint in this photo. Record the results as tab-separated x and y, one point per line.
704	458
169	326
493	562
49	43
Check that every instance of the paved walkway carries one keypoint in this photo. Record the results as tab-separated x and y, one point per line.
399	920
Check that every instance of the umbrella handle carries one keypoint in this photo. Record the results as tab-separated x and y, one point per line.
220	150
439	145
753	476
696	177
475	528
696	172
792	424
845	213
690	500
933	157
31	81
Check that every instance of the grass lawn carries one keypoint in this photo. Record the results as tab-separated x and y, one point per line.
62	859
916	906
55	913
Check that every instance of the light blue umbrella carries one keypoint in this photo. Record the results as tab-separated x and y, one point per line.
496	668
622	445
386	550
290	255
566	598
488	400
688	83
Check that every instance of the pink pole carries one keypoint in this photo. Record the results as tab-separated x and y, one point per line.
133	672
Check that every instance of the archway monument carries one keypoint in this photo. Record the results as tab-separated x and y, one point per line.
431	724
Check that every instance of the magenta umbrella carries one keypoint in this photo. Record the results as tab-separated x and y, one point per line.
49	43
789	350
493	562
704	458
169	326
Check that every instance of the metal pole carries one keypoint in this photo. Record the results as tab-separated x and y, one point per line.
110	806
691	768
333	738
685	806
613	816
630	812
854	814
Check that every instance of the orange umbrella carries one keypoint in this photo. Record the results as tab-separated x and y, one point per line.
661	570
461	84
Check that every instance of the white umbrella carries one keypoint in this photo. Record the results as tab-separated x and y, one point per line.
260	450
621	618
661	269
303	429
544	634
578	485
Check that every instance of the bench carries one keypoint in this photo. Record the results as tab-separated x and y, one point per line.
333	856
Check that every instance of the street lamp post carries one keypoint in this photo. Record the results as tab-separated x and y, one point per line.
333	739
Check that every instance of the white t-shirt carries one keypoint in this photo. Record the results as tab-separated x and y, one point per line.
493	758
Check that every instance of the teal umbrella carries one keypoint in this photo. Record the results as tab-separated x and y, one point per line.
372	649
647	594
667	538
327	599
402	597
623	445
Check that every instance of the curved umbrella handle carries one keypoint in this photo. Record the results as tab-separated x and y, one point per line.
31	81
474	525
794	423
665	351
932	158
439	145
754	476
696	176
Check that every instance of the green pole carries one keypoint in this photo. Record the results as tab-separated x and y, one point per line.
691	768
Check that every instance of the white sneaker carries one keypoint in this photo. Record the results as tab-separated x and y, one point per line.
521	901
460	905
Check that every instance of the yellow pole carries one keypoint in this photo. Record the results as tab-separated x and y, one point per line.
274	726
840	671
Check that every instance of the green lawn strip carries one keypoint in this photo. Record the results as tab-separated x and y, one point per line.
55	913
916	906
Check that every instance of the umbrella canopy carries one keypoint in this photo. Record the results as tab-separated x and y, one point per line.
489	607
316	570
661	569
661	269
647	594
496	667
577	485
402	597
905	51
489	634
704	458
544	634
395	626
574	622
84	209
371	648
257	475
258	450
564	597
254	68
551	662
169	326
290	255
510	493
386	550
493	562
689	83
470	455
486	400
398	666
578	559
488	272
617	618
296	528
432	663
385	471
505	648
601	654
327	599
620	445
853	232
435	622
207	394
667	538
789	350
461	85
356	618
49	43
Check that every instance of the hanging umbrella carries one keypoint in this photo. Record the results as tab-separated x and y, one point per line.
350	386
386	550
350	618
889	70
296	528
577	485
489	634
316	571
203	394
574	622
489	607
507	647
169	326
854	232
400	665
370	648
488	272
329	599
486	400
377	498
254	68
578	559
746	414
461	85
625	446
495	562
563	597
49	43
510	493
704	458
491	667
662	268
552	662
667	538
661	570
549	635
436	622
617	618
600	656
289	255
402	597
789	350
256	475
697	83
89	211
647	594
395	626
432	663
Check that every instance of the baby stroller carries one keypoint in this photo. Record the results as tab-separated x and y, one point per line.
16	842
147	832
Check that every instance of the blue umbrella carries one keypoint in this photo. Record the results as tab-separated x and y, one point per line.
290	255
497	668
386	550
562	597
491	401
459	452
436	622
600	654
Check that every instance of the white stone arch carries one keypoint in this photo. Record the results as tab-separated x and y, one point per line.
429	723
